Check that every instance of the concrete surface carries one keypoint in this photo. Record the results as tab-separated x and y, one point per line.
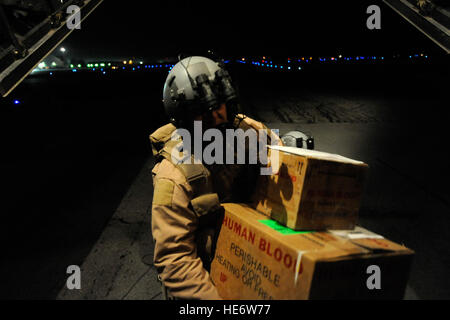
119	265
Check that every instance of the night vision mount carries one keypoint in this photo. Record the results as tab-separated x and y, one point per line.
208	93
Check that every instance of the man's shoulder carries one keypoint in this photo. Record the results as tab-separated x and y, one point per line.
245	122
163	131
167	170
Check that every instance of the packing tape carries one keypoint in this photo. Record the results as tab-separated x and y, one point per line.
298	264
357	233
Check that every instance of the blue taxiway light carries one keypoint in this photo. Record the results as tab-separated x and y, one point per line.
16	102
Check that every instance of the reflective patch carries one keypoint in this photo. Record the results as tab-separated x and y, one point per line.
163	192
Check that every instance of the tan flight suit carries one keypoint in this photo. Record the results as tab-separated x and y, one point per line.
184	198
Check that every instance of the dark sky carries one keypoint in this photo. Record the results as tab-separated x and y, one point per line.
120	29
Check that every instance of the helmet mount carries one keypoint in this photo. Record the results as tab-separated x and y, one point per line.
195	86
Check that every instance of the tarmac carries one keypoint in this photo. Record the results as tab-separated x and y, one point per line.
119	266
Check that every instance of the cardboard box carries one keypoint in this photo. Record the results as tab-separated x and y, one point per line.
257	258
311	190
